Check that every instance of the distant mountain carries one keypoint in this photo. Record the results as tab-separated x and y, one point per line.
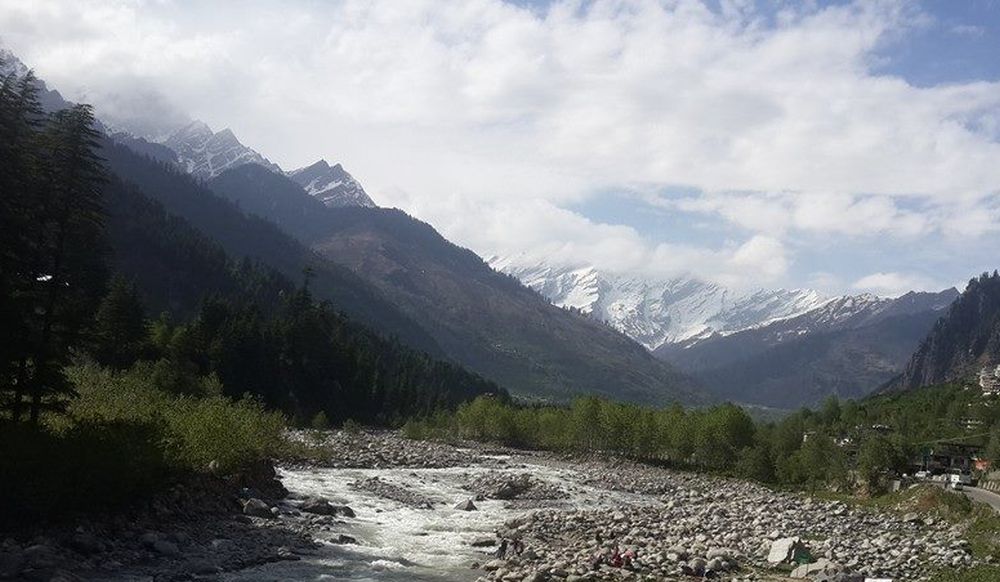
659	312
847	347
780	348
962	342
332	185
486	321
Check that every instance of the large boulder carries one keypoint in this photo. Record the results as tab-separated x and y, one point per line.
466	505
318	506
785	550
257	508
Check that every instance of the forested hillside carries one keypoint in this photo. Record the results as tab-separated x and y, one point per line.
242	235
487	321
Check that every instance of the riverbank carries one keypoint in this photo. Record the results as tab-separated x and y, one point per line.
375	506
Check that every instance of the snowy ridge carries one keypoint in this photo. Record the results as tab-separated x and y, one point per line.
332	185
658	312
206	154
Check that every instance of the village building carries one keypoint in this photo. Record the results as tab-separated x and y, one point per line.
989	380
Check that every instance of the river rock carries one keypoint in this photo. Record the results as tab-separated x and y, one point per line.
782	550
257	508
318	506
466	505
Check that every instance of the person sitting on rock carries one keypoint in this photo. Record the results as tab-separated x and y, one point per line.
502	550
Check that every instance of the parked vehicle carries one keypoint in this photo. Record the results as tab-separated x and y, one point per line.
958	479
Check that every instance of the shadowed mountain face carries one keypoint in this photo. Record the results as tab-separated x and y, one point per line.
848	347
245	236
961	343
487	321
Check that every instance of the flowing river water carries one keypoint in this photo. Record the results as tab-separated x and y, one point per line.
398	542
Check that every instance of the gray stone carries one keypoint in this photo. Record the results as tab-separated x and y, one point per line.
783	549
318	506
257	508
466	505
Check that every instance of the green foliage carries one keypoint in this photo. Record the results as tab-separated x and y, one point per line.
195	430
320	421
120	333
876	457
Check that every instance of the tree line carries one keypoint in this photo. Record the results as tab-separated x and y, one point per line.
850	445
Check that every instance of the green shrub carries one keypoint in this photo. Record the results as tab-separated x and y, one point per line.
320	421
234	434
350	426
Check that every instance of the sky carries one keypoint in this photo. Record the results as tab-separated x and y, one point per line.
843	146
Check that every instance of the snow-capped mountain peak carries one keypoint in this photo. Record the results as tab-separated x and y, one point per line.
657	312
331	184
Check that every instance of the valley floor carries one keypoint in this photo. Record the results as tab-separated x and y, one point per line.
403	524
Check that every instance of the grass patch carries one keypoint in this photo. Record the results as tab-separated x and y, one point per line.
984	573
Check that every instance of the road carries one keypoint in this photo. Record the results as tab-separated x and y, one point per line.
983	496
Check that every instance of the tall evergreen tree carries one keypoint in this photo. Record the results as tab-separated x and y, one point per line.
66	273
20	119
120	325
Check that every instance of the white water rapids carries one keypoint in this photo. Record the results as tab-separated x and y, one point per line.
397	542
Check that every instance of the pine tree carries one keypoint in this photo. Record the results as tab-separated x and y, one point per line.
120	325
20	117
67	273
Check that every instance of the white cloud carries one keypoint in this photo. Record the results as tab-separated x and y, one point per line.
489	119
894	284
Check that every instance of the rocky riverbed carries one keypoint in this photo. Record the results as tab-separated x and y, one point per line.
379	507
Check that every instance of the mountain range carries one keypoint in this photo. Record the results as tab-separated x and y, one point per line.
206	154
774	347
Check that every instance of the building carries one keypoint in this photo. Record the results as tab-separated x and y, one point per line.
989	380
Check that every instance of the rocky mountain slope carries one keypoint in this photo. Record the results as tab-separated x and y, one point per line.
962	342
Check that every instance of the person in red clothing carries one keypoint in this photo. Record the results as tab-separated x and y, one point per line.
616	557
